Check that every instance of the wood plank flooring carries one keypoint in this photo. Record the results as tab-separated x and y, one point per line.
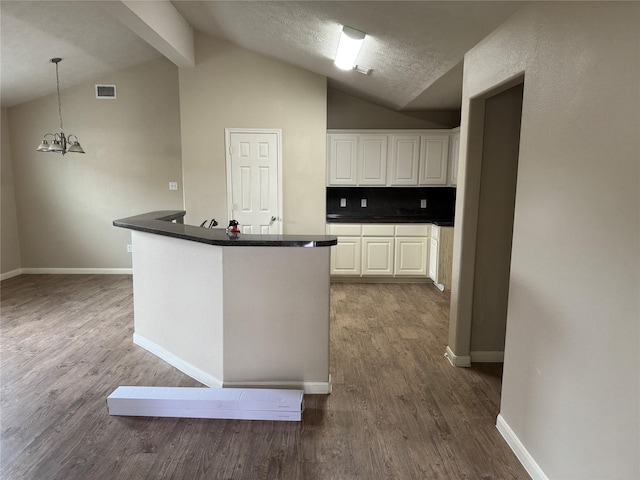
398	409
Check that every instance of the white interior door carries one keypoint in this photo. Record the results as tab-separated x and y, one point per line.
253	180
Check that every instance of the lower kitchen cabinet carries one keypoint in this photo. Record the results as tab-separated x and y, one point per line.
411	256
345	256
377	256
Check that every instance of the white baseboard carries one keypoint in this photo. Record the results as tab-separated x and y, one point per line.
211	381
76	271
310	388
487	357
11	274
457	360
519	449
171	359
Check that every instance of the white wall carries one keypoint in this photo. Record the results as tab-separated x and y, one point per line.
571	390
66	204
231	87
10	241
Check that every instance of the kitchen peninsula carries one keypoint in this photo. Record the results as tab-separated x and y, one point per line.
232	310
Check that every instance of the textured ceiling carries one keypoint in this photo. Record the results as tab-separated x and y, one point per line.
414	48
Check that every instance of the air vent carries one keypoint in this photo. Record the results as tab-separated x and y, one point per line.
106	91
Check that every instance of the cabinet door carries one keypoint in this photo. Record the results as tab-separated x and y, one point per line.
343	158
372	160
377	256
345	256
454	152
434	151
433	259
411	256
405	159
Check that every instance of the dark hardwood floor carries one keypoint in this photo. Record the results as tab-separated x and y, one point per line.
398	409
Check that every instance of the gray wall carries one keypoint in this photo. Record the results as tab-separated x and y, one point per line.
231	87
571	389
345	111
10	254
66	204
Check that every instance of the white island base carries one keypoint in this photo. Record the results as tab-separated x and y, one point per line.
234	316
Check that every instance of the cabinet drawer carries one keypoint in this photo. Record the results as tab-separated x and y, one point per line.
383	230
344	229
413	230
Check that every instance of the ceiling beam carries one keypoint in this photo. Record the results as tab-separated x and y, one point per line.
160	25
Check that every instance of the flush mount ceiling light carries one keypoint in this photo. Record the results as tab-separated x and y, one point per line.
351	41
60	143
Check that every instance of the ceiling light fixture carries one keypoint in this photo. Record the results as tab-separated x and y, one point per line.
60	142
351	41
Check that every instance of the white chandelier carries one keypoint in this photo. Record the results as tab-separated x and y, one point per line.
60	143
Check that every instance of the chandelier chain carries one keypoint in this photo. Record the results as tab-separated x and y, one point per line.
59	103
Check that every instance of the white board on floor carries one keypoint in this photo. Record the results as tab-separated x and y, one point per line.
194	402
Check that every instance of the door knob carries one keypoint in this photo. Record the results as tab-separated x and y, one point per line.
273	219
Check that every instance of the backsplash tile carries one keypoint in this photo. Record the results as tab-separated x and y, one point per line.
392	203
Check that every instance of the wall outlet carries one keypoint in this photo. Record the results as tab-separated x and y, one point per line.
363	202
173	185
129	248
423	203
343	202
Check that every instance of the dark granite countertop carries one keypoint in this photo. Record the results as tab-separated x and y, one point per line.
338	218
162	223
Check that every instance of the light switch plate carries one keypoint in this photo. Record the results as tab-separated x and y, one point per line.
343	202
363	202
423	203
173	185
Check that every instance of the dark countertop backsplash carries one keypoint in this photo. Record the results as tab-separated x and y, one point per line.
392	205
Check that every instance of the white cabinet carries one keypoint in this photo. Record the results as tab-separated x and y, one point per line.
433	260
372	160
441	256
343	159
405	159
347	254
411	250
434	156
391	157
454	153
377	255
380	250
357	159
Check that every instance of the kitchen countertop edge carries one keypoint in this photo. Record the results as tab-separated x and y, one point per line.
169	223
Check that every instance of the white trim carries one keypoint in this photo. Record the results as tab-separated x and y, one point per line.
455	360
211	381
11	274
310	388
487	357
171	359
519	449
227	146
77	271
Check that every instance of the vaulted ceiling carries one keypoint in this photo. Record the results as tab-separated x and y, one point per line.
415	49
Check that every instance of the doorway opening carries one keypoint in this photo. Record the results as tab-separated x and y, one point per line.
494	233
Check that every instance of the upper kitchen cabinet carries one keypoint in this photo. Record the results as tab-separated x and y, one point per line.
372	160
343	159
454	153
415	157
434	156
405	158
